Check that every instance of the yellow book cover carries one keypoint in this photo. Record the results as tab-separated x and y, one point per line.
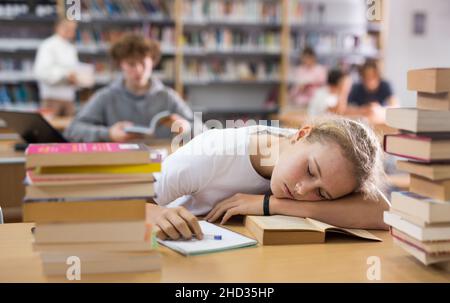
101	169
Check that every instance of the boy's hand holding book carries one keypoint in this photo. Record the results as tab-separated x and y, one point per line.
117	132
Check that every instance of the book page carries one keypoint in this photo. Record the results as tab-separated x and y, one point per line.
360	233
279	222
230	240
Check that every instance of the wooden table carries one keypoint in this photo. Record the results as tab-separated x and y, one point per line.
12	174
339	260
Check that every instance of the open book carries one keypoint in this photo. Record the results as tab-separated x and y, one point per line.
148	131
273	230
230	240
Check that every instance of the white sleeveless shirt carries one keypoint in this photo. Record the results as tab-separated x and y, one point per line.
210	168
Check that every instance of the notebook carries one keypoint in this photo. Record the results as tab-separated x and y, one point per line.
230	240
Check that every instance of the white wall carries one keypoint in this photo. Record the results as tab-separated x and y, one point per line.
404	51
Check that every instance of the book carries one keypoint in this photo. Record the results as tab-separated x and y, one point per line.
429	233
139	246
230	240
433	171
418	120
73	154
138	190
85	75
280	230
151	129
103	264
424	208
429	80
147	168
420	255
430	247
84	211
93	232
439	101
439	190
417	220
78	179
421	147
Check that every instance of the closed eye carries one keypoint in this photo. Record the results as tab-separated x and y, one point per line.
309	171
319	192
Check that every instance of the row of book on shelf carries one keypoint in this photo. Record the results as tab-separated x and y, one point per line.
18	94
130	9
13	10
255	11
420	218
89	201
300	11
230	70
240	10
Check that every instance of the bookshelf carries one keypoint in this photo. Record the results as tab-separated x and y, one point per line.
242	48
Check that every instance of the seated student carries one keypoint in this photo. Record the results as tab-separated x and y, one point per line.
333	97
309	76
370	97
226	172
134	98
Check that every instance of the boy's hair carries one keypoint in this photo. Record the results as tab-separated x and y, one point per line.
359	144
369	64
309	51
334	76
132	45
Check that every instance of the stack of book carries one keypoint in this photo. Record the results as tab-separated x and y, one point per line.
88	201
420	218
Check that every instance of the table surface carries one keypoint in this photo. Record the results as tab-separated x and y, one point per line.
341	259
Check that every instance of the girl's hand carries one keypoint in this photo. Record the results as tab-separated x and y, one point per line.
176	223
239	204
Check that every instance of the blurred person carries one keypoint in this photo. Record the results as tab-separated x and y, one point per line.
134	98
55	69
371	96
333	97
309	76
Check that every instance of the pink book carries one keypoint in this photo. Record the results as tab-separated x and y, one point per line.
73	154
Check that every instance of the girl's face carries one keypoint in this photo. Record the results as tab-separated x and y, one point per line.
312	172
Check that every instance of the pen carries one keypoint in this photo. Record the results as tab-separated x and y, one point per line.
211	237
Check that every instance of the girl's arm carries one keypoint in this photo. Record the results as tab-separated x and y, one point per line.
349	212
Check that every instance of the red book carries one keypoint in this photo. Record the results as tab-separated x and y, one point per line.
424	147
73	154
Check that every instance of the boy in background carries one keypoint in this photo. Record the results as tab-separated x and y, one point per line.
132	99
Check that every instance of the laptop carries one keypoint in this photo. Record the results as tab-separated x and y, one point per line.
31	126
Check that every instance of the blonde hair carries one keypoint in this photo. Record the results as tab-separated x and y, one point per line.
360	145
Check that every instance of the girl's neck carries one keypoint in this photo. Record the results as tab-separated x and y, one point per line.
265	152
